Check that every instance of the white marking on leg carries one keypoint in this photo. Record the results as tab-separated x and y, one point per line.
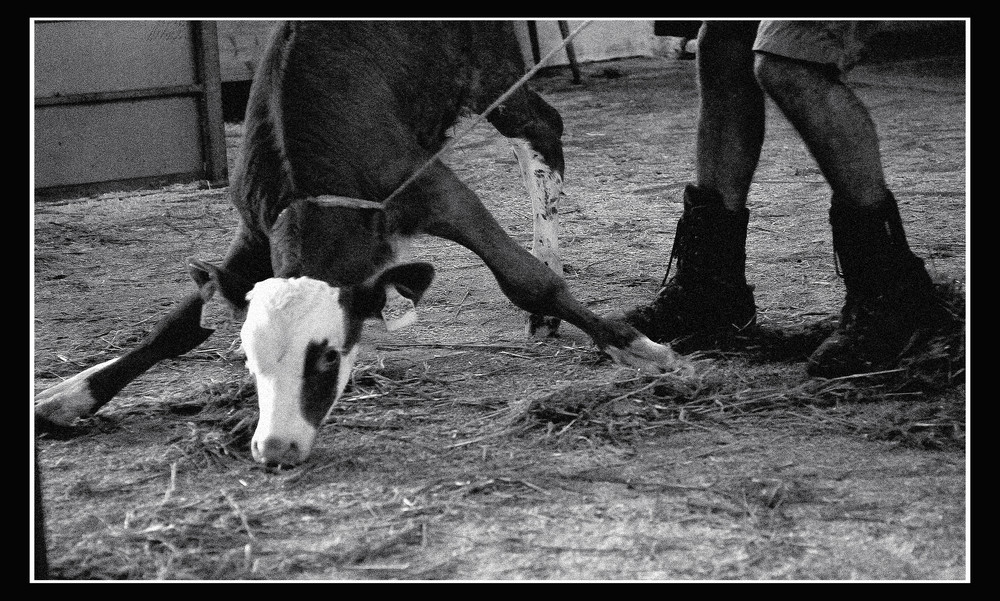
650	357
544	188
69	400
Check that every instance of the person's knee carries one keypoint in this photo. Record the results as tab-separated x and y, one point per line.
781	77
773	74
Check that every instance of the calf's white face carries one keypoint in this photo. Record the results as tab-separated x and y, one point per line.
301	343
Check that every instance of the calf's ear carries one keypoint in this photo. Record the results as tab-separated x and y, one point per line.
211	279
410	280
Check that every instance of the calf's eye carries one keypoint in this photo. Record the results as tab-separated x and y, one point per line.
328	360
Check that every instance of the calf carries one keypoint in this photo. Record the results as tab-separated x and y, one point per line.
341	113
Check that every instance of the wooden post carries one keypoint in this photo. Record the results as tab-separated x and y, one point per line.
536	53
570	53
205	37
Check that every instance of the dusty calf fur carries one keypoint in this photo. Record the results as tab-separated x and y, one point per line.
352	109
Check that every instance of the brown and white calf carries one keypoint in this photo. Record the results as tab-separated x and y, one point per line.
349	110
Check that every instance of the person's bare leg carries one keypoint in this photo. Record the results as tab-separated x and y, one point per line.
834	124
708	301
731	118
890	297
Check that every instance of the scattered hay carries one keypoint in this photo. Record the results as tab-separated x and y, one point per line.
709	389
221	420
735	387
222	416
208	539
620	411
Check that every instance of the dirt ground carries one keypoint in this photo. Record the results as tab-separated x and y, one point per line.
464	451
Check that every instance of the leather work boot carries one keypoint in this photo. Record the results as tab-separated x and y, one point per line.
890	297
708	299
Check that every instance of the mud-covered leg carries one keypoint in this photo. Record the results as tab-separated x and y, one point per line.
175	334
534	129
459	215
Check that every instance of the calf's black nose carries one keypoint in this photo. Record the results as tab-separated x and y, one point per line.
276	451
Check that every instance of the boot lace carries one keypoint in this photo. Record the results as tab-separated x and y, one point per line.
673	251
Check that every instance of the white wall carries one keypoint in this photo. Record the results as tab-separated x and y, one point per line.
241	42
602	39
